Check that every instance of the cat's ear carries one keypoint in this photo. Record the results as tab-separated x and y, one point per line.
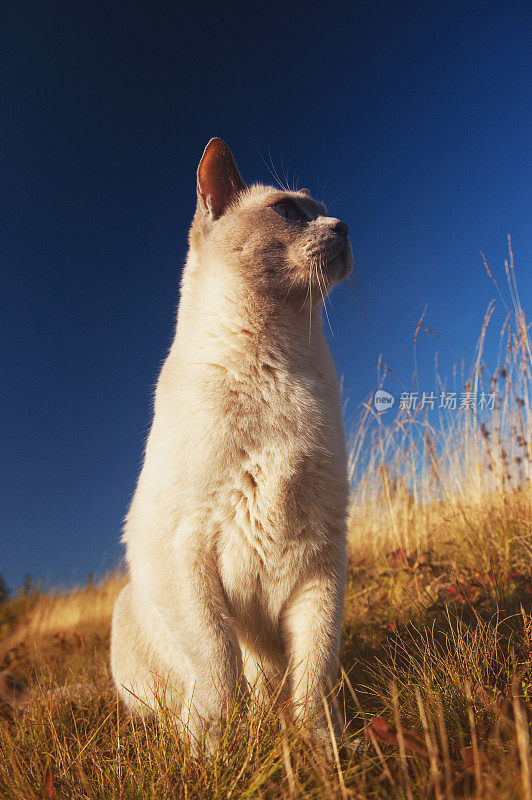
219	181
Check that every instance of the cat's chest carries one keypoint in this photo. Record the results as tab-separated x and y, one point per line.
268	529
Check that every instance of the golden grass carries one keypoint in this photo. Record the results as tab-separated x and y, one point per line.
428	471
436	690
83	609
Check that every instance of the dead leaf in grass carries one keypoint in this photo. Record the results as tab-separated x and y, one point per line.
383	731
48	789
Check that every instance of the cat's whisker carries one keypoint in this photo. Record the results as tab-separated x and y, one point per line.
358	297
324	190
323	294
292	282
275	174
308	293
285	176
336	199
296	180
323	195
290	287
311	278
327	297
272	172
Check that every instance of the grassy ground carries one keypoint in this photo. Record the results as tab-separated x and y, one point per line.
436	645
436	688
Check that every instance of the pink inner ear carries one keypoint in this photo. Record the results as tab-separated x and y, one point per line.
219	180
305	191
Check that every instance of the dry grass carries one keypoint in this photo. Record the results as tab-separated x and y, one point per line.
436	648
42	615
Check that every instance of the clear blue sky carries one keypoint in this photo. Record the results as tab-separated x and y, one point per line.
412	120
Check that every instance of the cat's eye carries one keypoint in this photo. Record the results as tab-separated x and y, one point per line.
289	210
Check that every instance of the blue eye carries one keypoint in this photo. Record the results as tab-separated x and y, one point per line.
289	210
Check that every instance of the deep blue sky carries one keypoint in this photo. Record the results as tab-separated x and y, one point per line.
412	120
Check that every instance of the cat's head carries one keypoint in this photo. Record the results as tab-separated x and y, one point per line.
282	244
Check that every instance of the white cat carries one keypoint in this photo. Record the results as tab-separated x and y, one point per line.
236	536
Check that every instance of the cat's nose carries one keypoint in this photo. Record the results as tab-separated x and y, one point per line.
340	228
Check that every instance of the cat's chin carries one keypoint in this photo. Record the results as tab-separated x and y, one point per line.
340	265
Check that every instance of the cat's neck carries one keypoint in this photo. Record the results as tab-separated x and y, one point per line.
223	318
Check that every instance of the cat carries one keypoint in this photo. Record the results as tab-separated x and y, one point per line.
236	535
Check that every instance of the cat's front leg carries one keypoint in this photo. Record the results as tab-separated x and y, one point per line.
312	626
189	596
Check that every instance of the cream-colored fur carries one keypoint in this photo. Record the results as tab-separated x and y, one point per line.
236	534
